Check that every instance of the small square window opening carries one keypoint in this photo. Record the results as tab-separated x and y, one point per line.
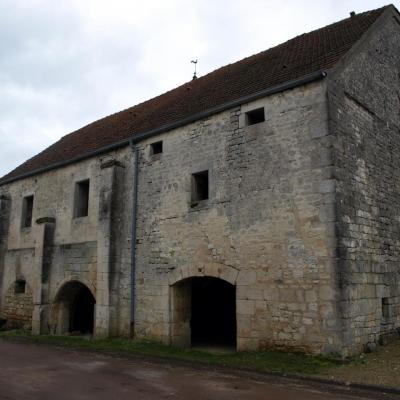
27	211
255	116
200	186
20	287
156	148
81	207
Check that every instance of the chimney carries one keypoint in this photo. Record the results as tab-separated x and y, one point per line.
352	14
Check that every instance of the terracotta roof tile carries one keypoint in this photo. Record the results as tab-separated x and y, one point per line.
298	57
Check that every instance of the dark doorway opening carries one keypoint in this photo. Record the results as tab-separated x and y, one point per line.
82	312
213	314
73	310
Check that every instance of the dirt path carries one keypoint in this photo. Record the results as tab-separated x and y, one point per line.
29	371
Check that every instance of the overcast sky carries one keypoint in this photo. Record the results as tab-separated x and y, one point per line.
66	63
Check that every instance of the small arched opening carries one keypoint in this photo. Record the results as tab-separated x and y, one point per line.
74	309
204	313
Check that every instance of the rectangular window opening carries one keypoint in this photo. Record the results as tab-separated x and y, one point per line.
385	307
20	287
156	148
255	116
200	186
81	208
27	211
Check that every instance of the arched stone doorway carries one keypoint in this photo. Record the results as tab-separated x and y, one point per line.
203	313
73	310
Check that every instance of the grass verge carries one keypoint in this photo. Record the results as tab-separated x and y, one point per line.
267	361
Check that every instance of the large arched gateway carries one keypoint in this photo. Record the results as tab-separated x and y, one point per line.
203	312
73	309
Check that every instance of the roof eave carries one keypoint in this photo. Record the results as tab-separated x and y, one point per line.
165	128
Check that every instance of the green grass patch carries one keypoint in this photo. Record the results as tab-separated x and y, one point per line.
266	361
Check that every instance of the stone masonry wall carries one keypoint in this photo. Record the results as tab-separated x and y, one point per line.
265	228
18	308
5	205
364	104
72	252
75	261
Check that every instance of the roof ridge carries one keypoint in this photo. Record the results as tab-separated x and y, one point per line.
222	68
302	35
317	50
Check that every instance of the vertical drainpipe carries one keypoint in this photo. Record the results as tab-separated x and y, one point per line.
135	152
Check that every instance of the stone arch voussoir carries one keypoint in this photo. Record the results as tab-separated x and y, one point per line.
221	271
72	279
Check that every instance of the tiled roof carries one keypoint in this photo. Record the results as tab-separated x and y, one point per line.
298	57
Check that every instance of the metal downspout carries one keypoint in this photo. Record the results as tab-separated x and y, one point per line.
135	152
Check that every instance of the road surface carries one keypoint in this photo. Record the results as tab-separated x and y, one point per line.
32	371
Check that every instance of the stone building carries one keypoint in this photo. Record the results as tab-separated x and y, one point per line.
257	206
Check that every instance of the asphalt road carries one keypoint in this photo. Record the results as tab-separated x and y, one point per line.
30	371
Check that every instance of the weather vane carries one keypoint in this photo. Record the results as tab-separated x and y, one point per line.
195	68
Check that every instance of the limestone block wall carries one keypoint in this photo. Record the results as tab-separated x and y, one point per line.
5	205
267	227
69	249
18	308
77	261
364	104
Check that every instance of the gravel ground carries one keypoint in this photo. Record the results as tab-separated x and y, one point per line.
381	367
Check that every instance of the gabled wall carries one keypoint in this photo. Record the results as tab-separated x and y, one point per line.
364	109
